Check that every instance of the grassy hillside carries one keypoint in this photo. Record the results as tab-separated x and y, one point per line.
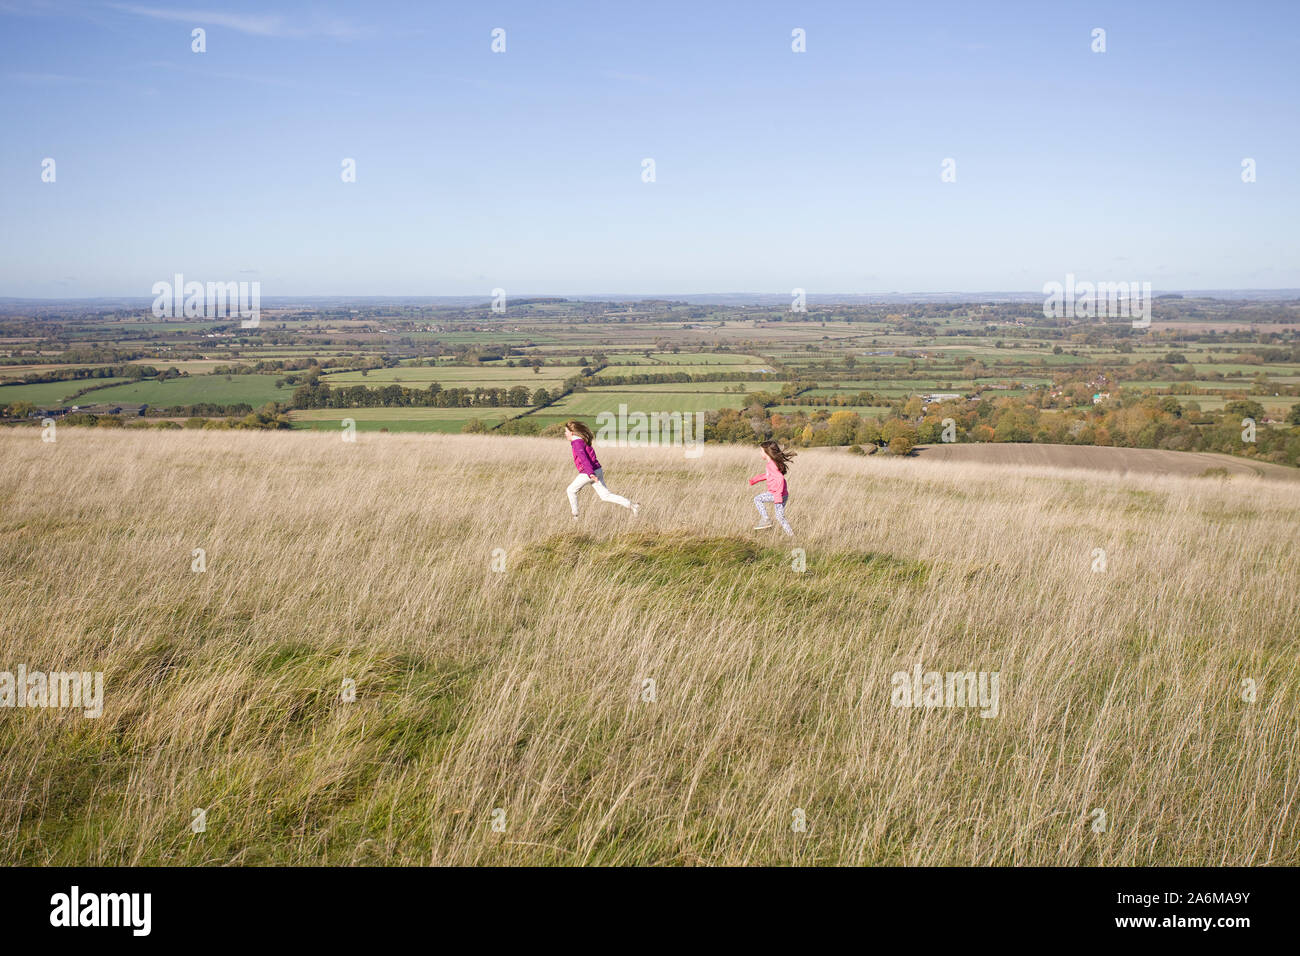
522	690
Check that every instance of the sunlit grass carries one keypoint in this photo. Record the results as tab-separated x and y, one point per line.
371	562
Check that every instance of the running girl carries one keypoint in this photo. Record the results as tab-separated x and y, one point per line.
589	470
774	475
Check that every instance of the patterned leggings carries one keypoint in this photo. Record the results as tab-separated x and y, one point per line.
760	502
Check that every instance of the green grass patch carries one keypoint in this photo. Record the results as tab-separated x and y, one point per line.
56	393
255	390
398	419
690	562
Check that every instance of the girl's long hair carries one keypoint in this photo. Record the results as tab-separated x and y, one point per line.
782	458
578	428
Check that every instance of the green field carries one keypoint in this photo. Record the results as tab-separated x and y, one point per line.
255	390
736	389
398	419
698	368
455	376
1275	407
54	393
591	403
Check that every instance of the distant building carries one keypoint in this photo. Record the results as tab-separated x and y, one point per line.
125	410
936	397
1100	397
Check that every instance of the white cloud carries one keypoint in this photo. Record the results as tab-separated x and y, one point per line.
264	25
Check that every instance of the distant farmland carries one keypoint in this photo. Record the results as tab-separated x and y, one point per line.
453	376
54	393
399	419
1017	378
254	390
587	405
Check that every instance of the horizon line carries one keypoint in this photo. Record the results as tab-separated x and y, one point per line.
649	296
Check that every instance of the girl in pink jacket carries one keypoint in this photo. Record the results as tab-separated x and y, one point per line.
774	475
589	470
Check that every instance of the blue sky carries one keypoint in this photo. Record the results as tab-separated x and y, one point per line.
523	170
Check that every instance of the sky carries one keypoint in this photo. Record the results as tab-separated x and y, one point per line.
525	169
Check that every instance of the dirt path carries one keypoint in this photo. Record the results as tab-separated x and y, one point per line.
1138	460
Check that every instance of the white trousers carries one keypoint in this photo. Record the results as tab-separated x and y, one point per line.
599	484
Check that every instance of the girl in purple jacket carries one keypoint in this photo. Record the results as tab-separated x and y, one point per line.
589	470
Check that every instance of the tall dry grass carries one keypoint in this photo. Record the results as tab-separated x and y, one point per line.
523	690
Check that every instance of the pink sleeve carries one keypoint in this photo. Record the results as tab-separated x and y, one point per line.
581	459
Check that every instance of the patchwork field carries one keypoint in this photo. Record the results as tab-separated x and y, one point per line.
1018	377
456	376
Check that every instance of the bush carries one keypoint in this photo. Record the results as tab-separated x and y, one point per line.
520	426
901	445
868	433
1244	408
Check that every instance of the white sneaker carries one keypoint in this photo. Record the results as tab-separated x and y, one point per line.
760	527
636	509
